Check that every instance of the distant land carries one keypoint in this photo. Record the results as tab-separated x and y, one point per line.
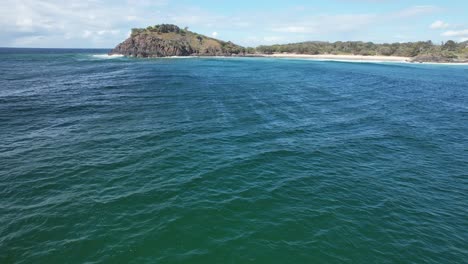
168	40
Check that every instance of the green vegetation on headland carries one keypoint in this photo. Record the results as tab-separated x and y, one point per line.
170	40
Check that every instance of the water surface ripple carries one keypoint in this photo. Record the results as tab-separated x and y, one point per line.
230	160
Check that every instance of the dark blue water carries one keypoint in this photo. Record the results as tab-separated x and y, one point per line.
230	160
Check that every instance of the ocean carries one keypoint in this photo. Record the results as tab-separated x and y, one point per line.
230	160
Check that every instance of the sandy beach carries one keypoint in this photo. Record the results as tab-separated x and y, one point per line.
341	57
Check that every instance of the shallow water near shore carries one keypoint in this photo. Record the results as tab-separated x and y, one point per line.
230	160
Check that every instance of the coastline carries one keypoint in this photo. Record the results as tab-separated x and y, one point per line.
332	57
320	57
356	58
158	41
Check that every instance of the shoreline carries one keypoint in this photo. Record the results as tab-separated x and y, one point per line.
357	58
319	57
333	57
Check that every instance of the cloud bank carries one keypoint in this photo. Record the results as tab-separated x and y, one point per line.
104	23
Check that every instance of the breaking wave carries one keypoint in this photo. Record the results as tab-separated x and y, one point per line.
106	56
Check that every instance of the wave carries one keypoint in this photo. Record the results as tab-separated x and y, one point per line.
181	57
443	63
106	56
343	60
379	61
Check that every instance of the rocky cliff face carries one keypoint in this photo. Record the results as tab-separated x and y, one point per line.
170	40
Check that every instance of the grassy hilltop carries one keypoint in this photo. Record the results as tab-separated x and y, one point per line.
170	40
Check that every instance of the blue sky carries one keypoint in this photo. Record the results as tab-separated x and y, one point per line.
105	23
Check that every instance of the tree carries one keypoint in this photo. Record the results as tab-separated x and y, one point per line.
450	45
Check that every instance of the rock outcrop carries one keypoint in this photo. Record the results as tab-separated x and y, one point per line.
437	58
169	40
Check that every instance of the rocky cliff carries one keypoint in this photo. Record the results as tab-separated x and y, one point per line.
170	40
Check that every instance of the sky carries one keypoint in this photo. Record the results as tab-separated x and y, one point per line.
105	23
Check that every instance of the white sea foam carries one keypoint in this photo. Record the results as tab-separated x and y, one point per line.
106	56
114	56
345	60
380	61
444	63
181	57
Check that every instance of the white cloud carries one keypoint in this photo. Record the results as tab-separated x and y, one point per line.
108	32
105	23
417	11
28	40
294	29
328	24
87	34
272	39
72	23
439	24
456	33
131	18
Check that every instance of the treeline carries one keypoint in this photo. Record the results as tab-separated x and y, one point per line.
163	28
410	49
422	50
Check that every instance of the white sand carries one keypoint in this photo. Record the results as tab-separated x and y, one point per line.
341	57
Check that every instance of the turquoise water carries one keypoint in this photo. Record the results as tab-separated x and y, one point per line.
235	160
